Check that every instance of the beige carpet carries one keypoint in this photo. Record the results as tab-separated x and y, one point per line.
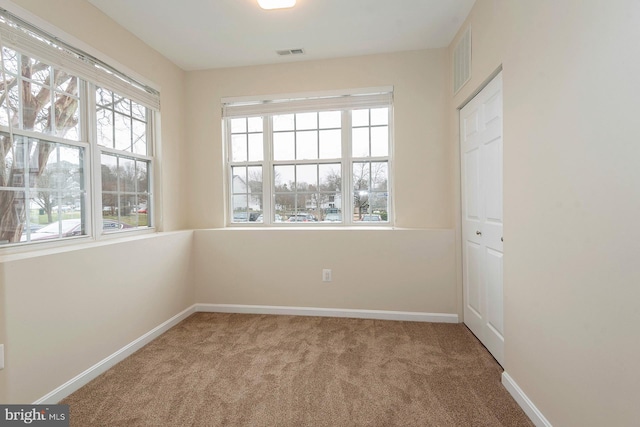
259	370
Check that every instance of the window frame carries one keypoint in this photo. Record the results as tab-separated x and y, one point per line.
346	162
96	163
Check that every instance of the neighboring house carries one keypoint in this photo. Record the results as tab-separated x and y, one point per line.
242	196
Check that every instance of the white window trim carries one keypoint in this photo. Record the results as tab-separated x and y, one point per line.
346	160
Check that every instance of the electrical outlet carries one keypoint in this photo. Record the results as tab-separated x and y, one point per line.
1	356
326	275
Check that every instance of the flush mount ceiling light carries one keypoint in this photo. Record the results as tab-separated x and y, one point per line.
276	4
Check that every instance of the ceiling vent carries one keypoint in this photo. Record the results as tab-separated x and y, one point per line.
462	61
290	52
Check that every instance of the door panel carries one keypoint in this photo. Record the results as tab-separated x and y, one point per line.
472	175
482	216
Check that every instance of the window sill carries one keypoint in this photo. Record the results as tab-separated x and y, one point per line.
19	253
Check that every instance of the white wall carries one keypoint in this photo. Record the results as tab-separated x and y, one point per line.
396	270
67	310
421	180
571	101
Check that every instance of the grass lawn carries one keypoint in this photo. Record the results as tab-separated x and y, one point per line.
136	220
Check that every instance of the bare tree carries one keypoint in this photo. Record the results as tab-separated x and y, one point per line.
36	114
60	175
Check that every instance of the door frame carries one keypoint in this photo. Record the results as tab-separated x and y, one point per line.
458	188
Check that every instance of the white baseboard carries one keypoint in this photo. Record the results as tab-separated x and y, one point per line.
525	403
409	316
99	368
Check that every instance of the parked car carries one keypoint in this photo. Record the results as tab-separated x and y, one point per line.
333	217
278	218
301	218
246	216
69	228
371	217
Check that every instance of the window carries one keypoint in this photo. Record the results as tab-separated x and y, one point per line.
122	133
320	160
76	142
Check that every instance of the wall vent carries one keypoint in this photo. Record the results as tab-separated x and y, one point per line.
462	61
290	52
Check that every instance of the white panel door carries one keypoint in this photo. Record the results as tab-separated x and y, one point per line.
481	169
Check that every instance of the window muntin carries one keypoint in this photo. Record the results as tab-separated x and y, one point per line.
312	160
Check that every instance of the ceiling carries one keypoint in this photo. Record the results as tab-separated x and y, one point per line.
202	34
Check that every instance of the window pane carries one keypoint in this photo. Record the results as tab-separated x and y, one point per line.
284	178
331	204
285	206
239	176
66	83
255	124
305	205
238	125
254	175
139	111
142	173
127	175
104	97
125	193
330	120
283	122
307	177
53	174
239	148
307	145
361	176
9	104
128	214
123	132
10	61
379	176
360	204
330	144
360	118
36	107
104	119
35	70
306	121
110	205
67	119
255	147
255	207
139	137
380	141
283	146
379	116
330	177
379	206
122	105
109	166
360	142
